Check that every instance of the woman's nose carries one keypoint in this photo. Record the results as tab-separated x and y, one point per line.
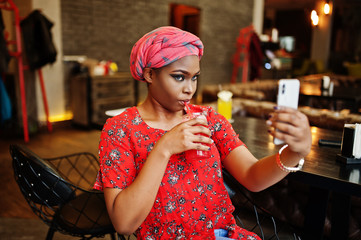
188	87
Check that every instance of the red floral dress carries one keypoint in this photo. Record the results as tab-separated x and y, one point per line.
192	200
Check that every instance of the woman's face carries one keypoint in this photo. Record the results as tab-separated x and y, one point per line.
173	86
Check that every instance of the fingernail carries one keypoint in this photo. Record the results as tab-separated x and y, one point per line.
269	123
276	107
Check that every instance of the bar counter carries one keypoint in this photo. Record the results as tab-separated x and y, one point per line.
322	172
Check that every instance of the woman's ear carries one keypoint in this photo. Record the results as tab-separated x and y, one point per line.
148	75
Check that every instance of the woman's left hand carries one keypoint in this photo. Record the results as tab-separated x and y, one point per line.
293	128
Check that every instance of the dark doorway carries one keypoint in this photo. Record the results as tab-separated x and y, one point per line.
295	23
185	17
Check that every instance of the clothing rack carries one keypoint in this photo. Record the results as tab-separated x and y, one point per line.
18	54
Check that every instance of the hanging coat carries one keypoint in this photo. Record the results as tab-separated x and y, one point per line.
4	53
38	42
255	57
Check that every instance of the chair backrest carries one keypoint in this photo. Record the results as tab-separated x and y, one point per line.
37	180
254	217
65	207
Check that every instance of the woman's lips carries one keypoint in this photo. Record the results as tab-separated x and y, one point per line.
185	102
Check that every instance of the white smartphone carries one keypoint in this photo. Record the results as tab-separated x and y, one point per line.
288	92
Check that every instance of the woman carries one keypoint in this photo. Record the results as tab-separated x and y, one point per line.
150	185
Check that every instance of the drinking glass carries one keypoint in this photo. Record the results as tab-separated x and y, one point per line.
194	153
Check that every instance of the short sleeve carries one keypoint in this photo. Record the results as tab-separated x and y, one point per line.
116	157
223	134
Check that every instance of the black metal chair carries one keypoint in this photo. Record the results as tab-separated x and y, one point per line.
59	191
251	216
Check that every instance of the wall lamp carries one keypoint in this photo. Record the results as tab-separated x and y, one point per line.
326	8
314	18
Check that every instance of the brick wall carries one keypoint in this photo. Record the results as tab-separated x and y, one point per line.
108	29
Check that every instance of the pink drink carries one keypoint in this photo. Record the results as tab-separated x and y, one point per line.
196	154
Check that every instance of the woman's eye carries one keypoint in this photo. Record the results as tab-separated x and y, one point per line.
195	78
178	77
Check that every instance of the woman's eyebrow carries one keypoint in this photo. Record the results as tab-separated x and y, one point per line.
186	72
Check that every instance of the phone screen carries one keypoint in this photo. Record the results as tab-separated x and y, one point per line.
288	93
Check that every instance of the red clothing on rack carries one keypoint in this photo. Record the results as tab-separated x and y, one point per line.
248	55
4	56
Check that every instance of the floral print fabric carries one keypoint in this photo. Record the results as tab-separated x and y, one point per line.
192	200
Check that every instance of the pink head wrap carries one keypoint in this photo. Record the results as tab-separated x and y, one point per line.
161	47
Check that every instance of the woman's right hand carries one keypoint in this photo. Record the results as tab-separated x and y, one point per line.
191	134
